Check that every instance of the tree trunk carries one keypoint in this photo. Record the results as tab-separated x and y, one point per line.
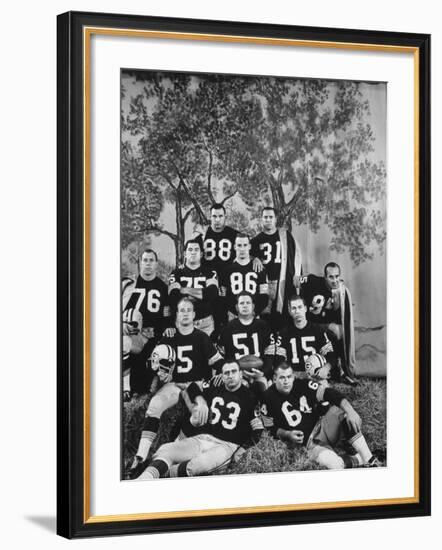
179	243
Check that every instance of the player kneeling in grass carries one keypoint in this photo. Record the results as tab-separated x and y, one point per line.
291	410
229	418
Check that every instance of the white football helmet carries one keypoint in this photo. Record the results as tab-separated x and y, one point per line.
317	367
163	359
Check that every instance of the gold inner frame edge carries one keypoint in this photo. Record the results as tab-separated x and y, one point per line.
87	33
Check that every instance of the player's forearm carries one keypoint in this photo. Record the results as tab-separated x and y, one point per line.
346	406
194	292
194	391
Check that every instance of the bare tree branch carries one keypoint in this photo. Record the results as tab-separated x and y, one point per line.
188	213
190	194
225	199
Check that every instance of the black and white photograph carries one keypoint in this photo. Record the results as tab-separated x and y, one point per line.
253	264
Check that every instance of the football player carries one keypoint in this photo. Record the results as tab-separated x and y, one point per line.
198	282
329	304
301	339
291	412
240	276
193	358
230	418
247	335
146	313
281	256
218	240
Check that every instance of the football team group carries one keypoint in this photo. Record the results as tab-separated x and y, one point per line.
249	343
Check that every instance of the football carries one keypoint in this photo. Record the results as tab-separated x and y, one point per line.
249	362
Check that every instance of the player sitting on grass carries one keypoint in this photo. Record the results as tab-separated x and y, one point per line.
229	416
186	357
291	412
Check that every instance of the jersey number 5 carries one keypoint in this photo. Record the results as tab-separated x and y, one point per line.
187	366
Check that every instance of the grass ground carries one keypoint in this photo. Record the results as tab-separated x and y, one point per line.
270	455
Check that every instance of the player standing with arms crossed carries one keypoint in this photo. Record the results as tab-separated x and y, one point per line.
198	282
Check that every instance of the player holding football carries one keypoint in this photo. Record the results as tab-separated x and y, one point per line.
146	314
301	339
198	282
240	276
281	256
230	418
247	335
291	412
329	304
186	357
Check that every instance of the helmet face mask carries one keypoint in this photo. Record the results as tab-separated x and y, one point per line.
162	359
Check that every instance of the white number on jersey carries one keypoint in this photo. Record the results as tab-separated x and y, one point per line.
153	303
305	340
232	419
242	348
224	249
194	282
240	282
292	416
181	350
267	249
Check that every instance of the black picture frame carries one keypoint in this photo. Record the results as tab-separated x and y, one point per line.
73	520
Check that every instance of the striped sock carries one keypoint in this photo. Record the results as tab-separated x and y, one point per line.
147	438
148	435
352	461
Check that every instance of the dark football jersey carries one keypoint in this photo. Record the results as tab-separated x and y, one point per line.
297	410
294	345
218	248
195	356
233	415
319	298
268	249
237	340
236	278
200	278
150	298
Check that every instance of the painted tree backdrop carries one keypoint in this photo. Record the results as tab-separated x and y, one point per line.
314	149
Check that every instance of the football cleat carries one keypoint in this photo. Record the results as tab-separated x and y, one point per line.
317	367
374	462
136	468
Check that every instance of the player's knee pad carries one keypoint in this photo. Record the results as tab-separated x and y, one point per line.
329	459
